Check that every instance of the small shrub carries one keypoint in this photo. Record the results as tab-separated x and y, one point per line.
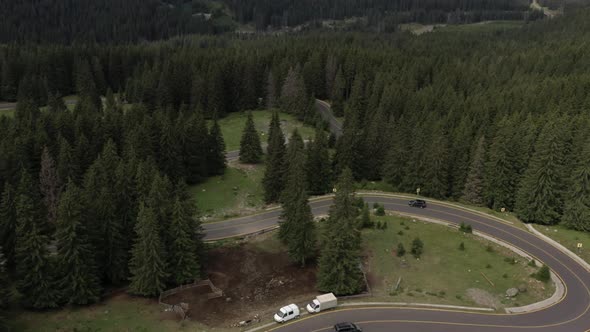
544	274
505	276
510	260
458	297
442	293
465	228
375	205
417	247
378	225
532	263
431	294
407	228
462	246
380	211
419	290
488	266
489	248
384	225
402	223
400	233
401	251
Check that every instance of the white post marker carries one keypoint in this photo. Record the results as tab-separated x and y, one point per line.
579	247
418	191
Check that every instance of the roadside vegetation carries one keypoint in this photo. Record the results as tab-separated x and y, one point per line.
569	238
455	267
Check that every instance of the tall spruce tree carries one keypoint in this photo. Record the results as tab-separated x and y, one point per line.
4	290
271	91
273	180
216	161
318	167
8	222
78	280
540	193
576	214
170	151
341	243
184	260
338	94
148	268
196	149
297	228
502	168
50	186
250	148
474	186
294	98
34	271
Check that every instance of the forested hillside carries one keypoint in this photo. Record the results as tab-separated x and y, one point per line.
67	21
279	13
494	118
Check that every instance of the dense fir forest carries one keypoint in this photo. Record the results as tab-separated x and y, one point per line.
97	197
280	13
67	21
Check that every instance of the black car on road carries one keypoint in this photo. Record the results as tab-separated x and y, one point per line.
417	203
347	327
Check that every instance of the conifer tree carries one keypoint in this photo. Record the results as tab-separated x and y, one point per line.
4	290
216	161
273	180
50	186
294	147
293	95
436	172
78	280
271	91
183	253
250	148
8	222
577	207
67	165
170	151
474	186
539	196
338	94
340	253
196	149
297	226
148	268
318	164
36	281
501	168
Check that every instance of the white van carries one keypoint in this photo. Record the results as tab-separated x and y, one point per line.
287	313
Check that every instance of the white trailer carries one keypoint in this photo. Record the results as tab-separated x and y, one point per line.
322	303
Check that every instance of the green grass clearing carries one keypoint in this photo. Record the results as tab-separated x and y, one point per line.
444	273
233	125
569	238
8	113
121	313
236	192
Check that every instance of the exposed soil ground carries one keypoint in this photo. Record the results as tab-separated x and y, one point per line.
256	283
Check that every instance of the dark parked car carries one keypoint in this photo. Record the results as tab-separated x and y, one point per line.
347	327
417	203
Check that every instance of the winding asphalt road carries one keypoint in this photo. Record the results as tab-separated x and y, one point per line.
570	314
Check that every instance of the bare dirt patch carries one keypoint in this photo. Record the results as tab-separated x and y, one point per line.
255	282
483	298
